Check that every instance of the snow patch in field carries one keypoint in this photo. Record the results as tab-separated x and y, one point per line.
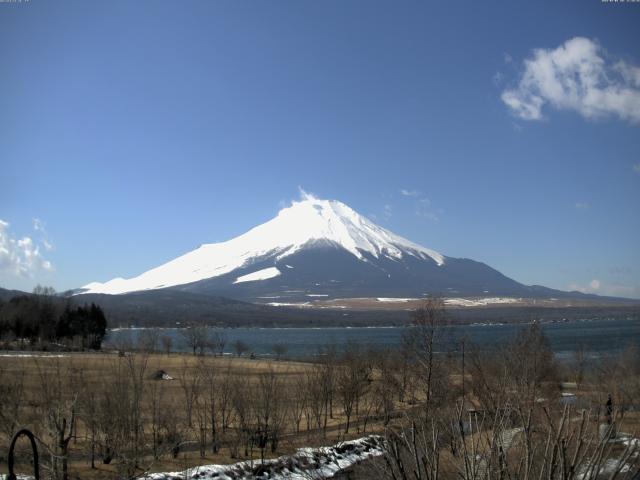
384	299
284	304
263	274
323	462
477	302
26	355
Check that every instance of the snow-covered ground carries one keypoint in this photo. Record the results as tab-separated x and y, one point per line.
307	463
393	300
478	302
286	304
31	354
457	301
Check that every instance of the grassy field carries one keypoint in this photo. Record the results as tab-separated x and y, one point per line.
65	382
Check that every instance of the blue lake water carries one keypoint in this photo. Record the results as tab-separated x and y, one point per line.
600	337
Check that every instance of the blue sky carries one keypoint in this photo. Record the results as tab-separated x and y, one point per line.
132	132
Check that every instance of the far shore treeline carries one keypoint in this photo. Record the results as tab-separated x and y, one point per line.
46	321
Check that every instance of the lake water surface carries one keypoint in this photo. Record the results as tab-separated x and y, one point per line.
600	337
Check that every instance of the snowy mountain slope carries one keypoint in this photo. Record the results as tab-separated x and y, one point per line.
320	248
303	224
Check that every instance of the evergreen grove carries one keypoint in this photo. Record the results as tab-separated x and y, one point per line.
43	320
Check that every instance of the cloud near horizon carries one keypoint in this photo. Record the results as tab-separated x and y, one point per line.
579	76
599	287
20	257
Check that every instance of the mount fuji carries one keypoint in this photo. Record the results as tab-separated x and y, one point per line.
320	249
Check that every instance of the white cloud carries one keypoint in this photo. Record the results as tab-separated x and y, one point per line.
422	205
387	211
592	287
636	168
410	193
428	215
580	76
613	289
305	195
582	205
39	226
20	257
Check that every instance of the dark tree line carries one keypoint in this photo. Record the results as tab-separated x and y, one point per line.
43	318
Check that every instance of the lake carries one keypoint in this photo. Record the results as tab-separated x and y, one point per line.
599	337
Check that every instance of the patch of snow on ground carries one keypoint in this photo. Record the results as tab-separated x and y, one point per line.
284	304
477	302
323	462
383	299
263	274
37	355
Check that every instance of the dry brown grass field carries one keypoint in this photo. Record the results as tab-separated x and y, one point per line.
78	379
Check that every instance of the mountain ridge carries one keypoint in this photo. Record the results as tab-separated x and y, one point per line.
321	249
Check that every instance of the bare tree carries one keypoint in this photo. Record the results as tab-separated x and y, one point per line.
58	404
217	342
269	411
352	378
240	347
167	343
557	445
195	338
279	349
428	320
211	400
189	379
148	340
298	400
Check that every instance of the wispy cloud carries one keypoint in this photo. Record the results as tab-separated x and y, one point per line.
387	211
423	207
636	168
40	227
20	256
306	195
580	76
600	287
582	205
592	287
426	210
409	193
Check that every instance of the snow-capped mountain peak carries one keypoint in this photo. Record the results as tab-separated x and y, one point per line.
305	222
334	221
